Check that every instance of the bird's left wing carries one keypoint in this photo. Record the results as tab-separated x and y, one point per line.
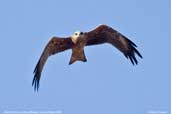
105	34
55	45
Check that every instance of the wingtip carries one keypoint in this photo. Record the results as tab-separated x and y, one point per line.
131	57
35	82
138	53
140	56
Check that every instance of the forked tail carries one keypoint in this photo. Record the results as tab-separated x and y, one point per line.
77	56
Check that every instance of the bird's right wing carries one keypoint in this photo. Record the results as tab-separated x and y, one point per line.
55	45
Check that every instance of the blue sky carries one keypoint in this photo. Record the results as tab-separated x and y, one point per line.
107	83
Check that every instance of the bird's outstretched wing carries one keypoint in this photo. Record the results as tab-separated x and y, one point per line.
105	34
55	45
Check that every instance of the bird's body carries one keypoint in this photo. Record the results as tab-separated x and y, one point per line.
77	42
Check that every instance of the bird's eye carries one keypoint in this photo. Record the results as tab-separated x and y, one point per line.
81	33
76	34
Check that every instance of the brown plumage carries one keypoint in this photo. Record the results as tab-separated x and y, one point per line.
102	34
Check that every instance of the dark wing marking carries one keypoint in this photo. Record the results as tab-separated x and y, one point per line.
105	34
55	45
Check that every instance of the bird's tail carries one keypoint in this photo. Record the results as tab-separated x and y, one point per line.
77	56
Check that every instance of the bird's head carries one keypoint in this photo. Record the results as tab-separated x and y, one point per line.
76	36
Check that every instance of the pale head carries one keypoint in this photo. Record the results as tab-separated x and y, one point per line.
76	35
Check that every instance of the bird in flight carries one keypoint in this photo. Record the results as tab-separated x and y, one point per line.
100	35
